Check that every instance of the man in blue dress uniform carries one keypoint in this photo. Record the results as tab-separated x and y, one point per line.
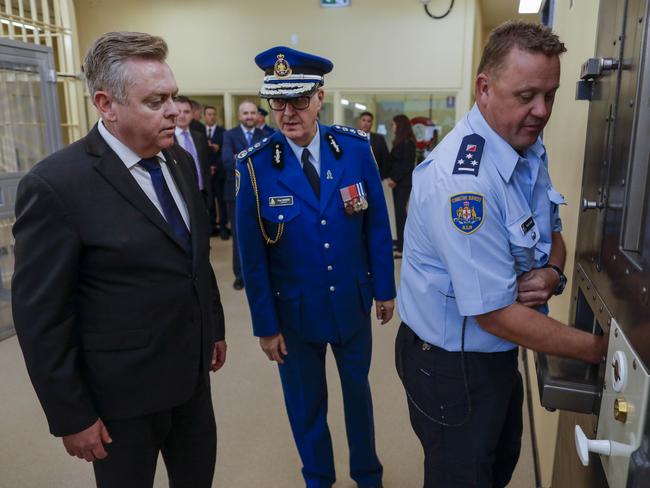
482	256
316	249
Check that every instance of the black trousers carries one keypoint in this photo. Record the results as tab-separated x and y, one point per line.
236	263
400	200
483	451
185	435
220	210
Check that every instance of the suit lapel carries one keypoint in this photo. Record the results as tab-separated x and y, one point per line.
111	167
330	166
242	139
295	180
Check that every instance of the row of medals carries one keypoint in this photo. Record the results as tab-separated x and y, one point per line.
356	205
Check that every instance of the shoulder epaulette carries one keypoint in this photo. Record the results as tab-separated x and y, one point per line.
254	148
468	159
362	134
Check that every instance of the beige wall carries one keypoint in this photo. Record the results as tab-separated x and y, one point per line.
565	142
478	43
376	45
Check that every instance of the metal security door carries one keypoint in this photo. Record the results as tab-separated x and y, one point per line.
29	131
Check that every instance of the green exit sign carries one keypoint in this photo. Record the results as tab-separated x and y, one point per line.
334	3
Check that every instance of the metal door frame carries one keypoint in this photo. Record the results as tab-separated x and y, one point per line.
40	58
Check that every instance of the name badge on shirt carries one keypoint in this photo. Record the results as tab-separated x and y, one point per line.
527	226
285	201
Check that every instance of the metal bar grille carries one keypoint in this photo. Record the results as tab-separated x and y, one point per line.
48	23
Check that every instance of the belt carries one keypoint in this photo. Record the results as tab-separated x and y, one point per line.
426	346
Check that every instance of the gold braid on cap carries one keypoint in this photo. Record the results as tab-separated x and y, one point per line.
265	236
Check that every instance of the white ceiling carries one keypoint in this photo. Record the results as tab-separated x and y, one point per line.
497	11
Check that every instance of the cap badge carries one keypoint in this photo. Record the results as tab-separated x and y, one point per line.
281	67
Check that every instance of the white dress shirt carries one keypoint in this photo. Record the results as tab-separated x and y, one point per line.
141	175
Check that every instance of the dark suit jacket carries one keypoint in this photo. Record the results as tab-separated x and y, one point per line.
114	318
197	126
203	151
267	130
380	151
402	163
234	141
214	157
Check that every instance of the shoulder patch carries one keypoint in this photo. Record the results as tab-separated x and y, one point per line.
361	134
467	211
254	148
468	160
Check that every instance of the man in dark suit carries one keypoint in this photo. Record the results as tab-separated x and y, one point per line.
377	143
214	134
195	123
196	143
261	122
115	303
235	140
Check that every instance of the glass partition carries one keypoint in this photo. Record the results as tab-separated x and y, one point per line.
440	108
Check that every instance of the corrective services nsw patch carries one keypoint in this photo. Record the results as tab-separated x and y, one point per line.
467	211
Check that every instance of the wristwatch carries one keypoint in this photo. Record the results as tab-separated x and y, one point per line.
562	284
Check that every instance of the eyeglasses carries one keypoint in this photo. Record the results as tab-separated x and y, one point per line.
298	103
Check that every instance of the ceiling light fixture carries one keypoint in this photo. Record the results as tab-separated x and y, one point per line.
530	6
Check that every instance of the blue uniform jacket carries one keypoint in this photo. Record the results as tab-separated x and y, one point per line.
321	276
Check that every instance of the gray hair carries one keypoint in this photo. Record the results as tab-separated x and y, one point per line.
104	64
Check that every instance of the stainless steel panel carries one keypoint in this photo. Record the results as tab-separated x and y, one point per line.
612	276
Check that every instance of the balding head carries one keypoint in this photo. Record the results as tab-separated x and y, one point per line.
248	114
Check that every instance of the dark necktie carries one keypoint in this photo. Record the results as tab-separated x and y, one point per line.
169	208
310	172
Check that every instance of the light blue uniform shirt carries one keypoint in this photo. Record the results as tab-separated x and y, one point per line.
449	273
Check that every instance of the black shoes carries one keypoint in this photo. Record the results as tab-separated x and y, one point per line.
238	284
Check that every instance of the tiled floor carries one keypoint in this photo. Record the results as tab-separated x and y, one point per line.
255	444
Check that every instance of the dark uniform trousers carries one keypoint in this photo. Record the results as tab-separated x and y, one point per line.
305	394
186	436
401	194
483	451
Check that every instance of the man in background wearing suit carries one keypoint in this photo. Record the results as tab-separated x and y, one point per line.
377	143
235	140
197	111
115	303
194	142
261	122
214	134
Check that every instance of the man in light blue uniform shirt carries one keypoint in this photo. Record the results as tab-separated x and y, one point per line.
483	254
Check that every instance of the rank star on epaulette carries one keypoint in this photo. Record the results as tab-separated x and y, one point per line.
468	159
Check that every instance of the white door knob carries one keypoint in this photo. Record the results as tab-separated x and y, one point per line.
607	448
